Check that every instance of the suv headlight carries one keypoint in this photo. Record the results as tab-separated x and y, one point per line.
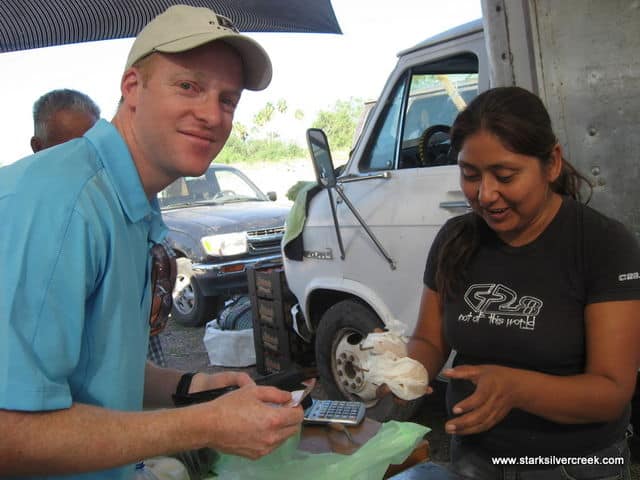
225	245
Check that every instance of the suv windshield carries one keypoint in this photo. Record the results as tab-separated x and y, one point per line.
215	186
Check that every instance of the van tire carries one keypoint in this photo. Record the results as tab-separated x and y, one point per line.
355	319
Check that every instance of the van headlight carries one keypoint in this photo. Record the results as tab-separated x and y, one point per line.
225	245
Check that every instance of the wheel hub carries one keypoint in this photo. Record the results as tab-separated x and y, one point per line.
348	371
183	295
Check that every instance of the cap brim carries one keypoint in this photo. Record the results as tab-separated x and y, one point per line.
255	60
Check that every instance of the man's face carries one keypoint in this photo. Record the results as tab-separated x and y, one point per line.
183	107
64	125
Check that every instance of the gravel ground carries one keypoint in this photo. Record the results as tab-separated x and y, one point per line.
184	349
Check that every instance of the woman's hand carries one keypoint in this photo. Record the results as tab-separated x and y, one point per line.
383	390
493	399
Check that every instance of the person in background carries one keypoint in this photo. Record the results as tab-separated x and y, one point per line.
539	296
79	221
60	116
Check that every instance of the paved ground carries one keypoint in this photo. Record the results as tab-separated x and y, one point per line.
184	349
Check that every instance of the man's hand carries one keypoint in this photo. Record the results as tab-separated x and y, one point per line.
247	424
204	381
492	400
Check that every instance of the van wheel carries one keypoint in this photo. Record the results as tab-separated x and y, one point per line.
190	307
341	329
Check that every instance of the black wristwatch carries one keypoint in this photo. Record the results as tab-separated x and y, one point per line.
182	389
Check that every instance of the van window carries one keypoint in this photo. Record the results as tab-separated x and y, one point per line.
429	95
382	151
436	100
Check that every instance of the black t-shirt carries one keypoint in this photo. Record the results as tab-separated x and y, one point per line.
523	307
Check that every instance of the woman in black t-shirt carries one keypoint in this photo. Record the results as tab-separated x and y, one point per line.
539	296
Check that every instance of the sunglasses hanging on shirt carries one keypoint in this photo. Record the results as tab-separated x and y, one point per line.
163	279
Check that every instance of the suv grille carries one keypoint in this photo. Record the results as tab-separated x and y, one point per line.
265	241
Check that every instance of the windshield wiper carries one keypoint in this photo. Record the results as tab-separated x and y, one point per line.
204	203
176	205
242	199
208	202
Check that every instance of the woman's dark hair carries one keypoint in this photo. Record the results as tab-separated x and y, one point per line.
519	119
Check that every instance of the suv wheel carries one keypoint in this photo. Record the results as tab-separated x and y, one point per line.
339	334
190	307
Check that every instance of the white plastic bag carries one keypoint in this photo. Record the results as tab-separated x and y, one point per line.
167	468
387	362
229	348
405	377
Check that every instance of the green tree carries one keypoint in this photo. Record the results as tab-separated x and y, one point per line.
235	149
265	115
340	123
298	114
248	144
281	106
241	130
250	150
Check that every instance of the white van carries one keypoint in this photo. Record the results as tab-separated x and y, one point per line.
404	190
361	255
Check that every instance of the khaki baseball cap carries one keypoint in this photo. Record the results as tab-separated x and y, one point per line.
182	27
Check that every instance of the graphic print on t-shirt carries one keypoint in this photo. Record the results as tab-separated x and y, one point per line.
500	306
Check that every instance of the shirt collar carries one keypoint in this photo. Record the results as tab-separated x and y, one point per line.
118	163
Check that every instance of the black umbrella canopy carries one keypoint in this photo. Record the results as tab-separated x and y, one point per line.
26	24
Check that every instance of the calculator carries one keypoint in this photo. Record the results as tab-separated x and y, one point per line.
335	411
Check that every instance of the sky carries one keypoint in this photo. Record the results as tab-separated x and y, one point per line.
311	71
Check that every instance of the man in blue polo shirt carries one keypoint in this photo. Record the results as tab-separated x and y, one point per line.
79	220
60	116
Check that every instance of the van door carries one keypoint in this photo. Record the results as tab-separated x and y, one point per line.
406	210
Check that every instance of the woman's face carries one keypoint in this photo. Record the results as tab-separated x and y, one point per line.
510	191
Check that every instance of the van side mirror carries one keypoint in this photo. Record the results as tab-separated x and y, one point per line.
321	157
273	196
326	177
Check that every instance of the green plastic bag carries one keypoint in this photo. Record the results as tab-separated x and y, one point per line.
392	444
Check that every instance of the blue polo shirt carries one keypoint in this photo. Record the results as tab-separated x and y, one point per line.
75	277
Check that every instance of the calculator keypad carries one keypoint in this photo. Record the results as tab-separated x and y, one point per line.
337	411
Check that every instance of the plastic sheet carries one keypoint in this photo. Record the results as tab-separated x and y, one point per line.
391	445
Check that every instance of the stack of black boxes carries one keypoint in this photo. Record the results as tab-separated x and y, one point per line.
278	348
